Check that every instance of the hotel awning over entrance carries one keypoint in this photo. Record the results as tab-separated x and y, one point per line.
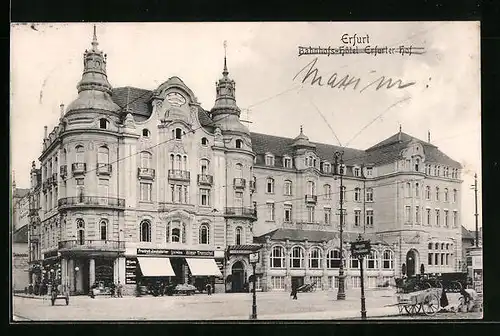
203	267
156	267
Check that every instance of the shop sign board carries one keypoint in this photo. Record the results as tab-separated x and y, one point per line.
254	257
360	248
174	253
130	269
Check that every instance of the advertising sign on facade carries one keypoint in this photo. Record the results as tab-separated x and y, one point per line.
175	253
130	268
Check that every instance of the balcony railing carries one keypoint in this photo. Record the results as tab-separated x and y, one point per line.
63	171
146	173
252	185
241	212
33	212
92	245
311	198
96	201
239	182
176	174
104	169
205	179
78	168
54	179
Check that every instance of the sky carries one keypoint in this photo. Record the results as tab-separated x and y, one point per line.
271	90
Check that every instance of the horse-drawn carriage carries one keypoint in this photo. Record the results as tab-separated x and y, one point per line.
60	292
424	291
306	288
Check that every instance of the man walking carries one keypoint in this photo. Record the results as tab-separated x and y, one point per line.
119	289
209	289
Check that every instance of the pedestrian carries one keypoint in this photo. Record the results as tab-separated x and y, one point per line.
209	289
113	290
119	289
293	294
470	298
92	290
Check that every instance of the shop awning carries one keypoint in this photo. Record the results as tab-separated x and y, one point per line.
203	267
156	267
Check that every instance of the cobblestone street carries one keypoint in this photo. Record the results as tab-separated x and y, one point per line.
270	306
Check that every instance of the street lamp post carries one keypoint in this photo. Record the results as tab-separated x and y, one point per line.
254	259
339	163
74	278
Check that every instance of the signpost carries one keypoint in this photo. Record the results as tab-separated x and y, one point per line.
359	249
254	259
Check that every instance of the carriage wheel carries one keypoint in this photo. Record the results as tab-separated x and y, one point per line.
456	286
430	305
427	285
400	308
413	309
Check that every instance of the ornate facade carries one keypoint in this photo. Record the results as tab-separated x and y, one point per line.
133	177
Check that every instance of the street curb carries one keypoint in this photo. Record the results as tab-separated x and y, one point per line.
36	297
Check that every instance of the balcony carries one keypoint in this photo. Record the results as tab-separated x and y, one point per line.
33	212
92	245
311	199
54	179
92	202
78	168
104	169
239	183
205	179
180	175
63	171
45	185
146	173
240	212
252	185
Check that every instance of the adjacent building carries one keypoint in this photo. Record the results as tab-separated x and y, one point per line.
19	235
137	185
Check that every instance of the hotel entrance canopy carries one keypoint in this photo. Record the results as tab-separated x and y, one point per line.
203	267
156	267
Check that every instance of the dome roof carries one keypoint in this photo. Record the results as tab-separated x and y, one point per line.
93	100
302	140
230	122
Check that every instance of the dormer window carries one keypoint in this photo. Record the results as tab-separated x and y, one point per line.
342	169
287	162
103	123
145	133
204	141
417	164
269	160
326	167
239	143
369	172
357	171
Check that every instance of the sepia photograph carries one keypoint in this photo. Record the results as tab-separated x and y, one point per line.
245	171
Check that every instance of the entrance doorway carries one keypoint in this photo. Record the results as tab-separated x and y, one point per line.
297	282
238	277
411	263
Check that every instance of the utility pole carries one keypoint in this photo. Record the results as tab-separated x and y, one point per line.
476	214
339	164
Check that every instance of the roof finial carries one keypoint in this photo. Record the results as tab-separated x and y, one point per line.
225	72
399	128
94	40
429	136
300	129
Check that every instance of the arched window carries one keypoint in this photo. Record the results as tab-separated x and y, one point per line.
369	194
311	188
238	236
204	141
145	231
178	133
80	230
333	259
146	133
103	123
372	260
270	185
277	258
239	143
178	162
172	161
427	192
80	152
104	230
315	258
446	194
436	246
327	191
146	159
239	170
287	186
297	257
417	164
354	261
204	234
430	246
205	166
437	193
103	155
357	194
417	190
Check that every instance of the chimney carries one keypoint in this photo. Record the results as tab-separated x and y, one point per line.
428	136
62	110
45	132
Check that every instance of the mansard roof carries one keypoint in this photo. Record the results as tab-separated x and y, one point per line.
20	236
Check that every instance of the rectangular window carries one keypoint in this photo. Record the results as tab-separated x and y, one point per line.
369	195
172	193
103	188
205	197
278	282
436	259
333	282
288	213
454	196
146	192
417	214
354	262
270	211
269	160
447	259
429	259
369	171
328	215
428	217
310	214
317	281
287	163
407	214
357	218
179	194
356	282
356	171
369	218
